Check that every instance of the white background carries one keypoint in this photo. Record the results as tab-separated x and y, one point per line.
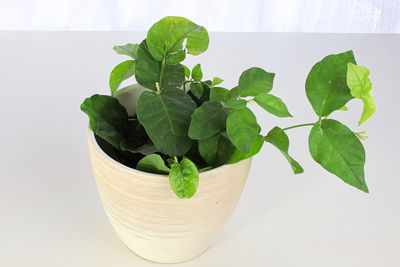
362	16
51	214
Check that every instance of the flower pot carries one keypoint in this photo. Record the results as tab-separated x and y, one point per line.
152	221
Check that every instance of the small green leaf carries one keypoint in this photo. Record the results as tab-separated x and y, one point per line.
152	163
236	103
360	87
337	149
216	149
217	81
166	118
197	74
187	72
237	155
184	178
242	129
280	140
272	104
108	118
167	36
208	120
176	57
196	89
218	94
255	81
120	73
233	94
128	50
326	85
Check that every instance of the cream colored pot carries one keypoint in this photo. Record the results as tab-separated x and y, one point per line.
152	221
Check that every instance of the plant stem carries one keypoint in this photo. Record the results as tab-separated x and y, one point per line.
299	125
161	71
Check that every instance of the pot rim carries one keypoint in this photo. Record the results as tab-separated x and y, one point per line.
90	134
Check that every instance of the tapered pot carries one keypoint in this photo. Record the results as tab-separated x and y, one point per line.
152	221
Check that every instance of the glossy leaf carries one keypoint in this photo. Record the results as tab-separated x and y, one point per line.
148	71
196	89
360	87
204	97
242	129
233	93
120	73
167	36
236	103
187	72
216	150
197	74
255	81
166	118
144	149
217	81
152	163
337	149
175	58
107	118
272	104
280	140
184	178
326	85
128	50
218	94
237	155
208	120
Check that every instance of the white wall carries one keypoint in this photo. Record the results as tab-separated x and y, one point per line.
374	16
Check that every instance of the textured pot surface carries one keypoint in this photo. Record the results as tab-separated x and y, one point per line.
152	221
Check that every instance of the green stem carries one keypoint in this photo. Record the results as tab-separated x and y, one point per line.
161	71
299	125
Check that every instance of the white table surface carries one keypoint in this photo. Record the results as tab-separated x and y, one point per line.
51	214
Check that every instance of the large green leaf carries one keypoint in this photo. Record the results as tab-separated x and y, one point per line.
255	81
166	118
108	118
120	73
242	129
360	87
167	36
339	151
280	140
272	104
184	178
326	85
218	94
208	120
152	163
216	150
237	155
148	71
128	50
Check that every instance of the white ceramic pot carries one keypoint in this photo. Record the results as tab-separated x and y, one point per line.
152	221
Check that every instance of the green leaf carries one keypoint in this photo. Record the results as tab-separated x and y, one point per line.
204	97
216	149
278	138
197	74
196	89
326	85
176	57
236	103
107	118
145	149
152	163
360	87
242	129
208	120
187	72
237	155
128	50
338	150
148	71
255	81
272	104
166	118
217	81
233	94
167	36
184	178
344	108
218	94
120	73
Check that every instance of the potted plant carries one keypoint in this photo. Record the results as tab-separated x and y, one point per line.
171	154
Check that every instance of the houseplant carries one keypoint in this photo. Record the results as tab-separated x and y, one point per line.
176	131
